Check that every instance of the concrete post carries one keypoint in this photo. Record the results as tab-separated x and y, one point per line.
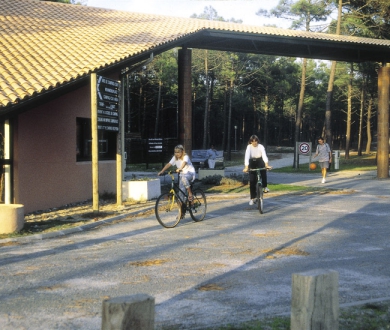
134	312
315	300
383	122
185	106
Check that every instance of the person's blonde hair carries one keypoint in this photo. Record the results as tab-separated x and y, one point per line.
180	147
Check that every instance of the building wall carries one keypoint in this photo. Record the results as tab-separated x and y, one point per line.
46	173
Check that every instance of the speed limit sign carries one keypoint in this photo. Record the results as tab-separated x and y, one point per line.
304	148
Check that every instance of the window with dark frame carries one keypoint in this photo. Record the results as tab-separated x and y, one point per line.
107	142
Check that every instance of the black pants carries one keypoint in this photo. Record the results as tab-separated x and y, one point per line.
256	163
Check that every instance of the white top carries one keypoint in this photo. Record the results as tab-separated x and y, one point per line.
255	152
188	168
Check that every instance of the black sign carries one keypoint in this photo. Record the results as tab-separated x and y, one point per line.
107	104
155	145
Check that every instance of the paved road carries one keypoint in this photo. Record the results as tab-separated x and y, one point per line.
234	266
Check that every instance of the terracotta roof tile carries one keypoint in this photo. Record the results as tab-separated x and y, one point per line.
45	44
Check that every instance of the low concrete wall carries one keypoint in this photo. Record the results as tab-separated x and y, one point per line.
141	190
11	218
202	173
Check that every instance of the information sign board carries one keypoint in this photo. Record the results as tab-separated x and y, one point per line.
107	104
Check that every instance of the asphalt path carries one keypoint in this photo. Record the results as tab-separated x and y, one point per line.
234	266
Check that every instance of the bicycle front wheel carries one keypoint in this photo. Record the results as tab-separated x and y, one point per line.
168	210
198	207
260	198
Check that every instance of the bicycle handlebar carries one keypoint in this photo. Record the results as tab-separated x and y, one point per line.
260	169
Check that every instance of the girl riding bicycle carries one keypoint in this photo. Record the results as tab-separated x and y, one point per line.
255	157
183	164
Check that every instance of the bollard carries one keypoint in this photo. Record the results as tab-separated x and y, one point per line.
134	312
11	218
336	159
315	300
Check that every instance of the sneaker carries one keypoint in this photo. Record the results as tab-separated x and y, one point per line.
266	190
323	181
251	202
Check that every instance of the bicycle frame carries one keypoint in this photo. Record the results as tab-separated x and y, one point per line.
171	207
259	188
175	188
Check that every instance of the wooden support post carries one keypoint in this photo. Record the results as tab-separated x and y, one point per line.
128	313
315	300
185	106
95	146
383	122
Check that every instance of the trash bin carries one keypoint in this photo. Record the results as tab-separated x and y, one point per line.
336	159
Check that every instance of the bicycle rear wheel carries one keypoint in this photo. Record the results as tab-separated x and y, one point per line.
260	198
168	210
198	207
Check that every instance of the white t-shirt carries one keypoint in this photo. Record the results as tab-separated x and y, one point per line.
188	168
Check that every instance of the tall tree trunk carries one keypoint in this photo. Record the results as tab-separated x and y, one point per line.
211	93
362	101
298	119
224	134
369	114
349	114
254	105
329	94
206	108
265	126
230	121
157	109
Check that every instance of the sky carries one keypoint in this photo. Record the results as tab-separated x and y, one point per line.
237	9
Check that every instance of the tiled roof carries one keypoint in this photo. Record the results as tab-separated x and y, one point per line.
44	45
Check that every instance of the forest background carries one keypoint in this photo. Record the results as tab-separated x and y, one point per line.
283	100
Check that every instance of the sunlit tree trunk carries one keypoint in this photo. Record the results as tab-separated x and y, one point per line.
349	114
362	100
369	114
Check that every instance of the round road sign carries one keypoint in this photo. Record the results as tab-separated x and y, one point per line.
304	148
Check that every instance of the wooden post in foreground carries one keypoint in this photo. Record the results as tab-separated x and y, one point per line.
134	312
315	300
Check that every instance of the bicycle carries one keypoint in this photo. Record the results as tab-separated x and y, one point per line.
172	206
259	189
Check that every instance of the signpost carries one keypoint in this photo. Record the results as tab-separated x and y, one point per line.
104	117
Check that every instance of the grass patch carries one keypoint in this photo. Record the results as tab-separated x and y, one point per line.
365	162
374	316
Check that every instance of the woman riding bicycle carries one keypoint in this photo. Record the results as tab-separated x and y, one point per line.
183	165
255	157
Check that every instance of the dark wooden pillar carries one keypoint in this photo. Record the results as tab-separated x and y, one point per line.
185	107
383	122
